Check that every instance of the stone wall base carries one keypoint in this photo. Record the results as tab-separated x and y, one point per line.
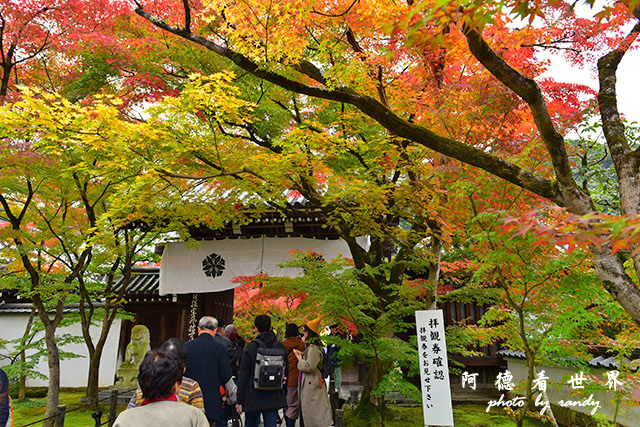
569	418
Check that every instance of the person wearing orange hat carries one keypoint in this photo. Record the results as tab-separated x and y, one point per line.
314	400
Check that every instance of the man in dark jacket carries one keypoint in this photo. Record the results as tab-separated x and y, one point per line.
208	364
226	342
255	402
231	332
5	405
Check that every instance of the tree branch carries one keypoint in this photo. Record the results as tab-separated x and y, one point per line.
30	194
337	15
383	115
530	92
187	16
2	26
382	93
552	44
37	52
234	174
612	125
625	161
310	70
251	131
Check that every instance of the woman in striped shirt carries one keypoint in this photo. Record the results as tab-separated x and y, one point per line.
189	391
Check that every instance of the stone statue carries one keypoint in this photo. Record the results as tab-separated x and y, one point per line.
127	374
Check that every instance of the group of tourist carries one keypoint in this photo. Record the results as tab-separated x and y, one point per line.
216	378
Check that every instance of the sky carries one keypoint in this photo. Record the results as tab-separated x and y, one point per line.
627	87
628	84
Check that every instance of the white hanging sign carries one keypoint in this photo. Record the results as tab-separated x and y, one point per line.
434	369
212	265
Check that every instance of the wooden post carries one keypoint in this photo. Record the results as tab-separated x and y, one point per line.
339	418
113	407
97	418
62	410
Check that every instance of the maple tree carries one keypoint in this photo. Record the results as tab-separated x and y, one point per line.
100	300
336	293
22	37
44	272
370	188
26	352
202	182
39	39
252	296
546	302
437	75
62	236
372	114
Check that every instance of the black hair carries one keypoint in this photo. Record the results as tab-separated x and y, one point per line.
159	371
262	323
177	347
292	330
313	335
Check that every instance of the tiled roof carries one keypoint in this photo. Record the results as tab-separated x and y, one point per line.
144	281
143	286
25	307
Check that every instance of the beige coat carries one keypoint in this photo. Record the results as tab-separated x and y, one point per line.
314	399
162	414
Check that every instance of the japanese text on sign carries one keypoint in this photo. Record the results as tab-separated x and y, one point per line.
434	369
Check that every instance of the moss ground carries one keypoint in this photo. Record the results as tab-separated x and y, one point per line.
78	415
465	415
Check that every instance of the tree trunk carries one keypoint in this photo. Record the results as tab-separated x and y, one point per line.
53	353
53	392
370	405
4	81
531	362
95	352
434	272
93	378
22	381
545	396
610	269
94	364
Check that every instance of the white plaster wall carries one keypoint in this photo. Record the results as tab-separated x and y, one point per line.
627	415
73	372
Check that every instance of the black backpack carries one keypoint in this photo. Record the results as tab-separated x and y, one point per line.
235	358
270	366
328	365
